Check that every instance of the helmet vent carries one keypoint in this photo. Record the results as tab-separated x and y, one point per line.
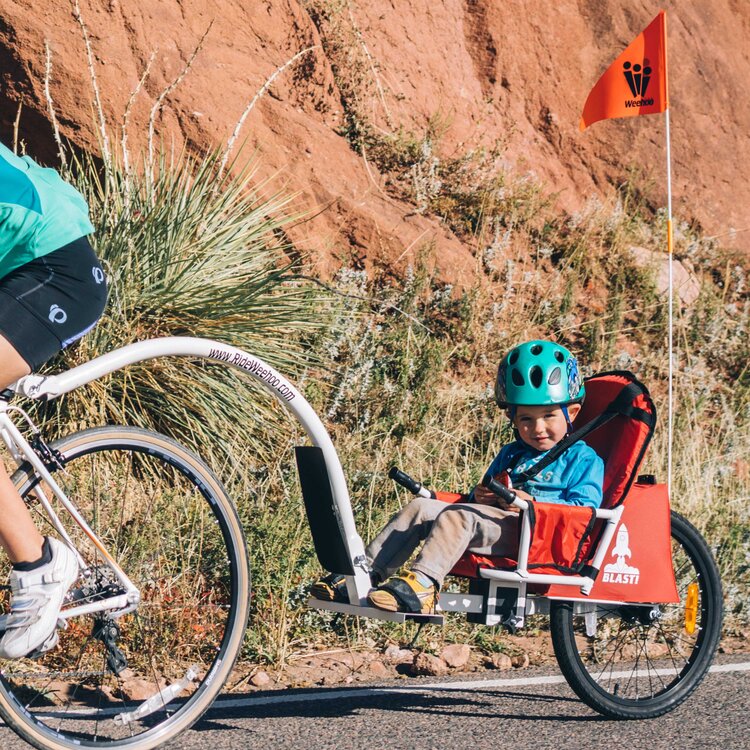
513	358
516	377
559	356
555	376
536	349
536	376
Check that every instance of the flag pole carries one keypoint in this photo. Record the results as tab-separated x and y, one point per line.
670	285
619	92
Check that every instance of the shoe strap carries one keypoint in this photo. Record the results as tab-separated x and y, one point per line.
20	619
28	579
404	594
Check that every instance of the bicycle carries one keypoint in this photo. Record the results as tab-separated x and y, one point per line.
153	626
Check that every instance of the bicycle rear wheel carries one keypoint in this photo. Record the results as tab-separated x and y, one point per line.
640	661
167	521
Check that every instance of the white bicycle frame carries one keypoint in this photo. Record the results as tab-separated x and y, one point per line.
22	451
358	584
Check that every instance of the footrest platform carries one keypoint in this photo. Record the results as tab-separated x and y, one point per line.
374	612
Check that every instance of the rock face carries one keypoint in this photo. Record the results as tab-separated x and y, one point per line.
685	283
490	71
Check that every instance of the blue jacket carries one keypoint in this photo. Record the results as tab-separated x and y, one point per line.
39	211
575	477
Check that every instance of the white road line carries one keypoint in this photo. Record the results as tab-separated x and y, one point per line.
426	687
430	687
741	667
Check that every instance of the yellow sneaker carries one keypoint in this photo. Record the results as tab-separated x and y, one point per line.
404	594
330	588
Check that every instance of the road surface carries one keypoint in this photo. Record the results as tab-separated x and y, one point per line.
534	708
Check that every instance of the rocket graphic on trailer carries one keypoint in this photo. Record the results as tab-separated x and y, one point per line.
622	549
620	571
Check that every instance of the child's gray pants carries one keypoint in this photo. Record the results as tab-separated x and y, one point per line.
448	530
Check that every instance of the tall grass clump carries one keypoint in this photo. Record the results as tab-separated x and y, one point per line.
195	244
189	251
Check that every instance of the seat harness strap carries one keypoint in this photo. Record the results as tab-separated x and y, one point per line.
621	405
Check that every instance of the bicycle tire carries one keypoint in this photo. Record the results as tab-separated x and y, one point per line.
635	667
169	523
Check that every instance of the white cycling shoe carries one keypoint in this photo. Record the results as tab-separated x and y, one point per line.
36	598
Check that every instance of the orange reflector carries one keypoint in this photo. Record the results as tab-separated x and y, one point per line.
691	608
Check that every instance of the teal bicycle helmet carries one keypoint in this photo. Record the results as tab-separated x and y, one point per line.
538	373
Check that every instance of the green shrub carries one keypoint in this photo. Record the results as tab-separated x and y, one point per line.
190	252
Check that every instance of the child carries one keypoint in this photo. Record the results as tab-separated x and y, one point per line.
539	385
52	291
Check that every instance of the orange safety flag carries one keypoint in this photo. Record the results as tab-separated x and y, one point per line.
636	82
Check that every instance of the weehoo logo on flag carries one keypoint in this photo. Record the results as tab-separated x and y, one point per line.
637	77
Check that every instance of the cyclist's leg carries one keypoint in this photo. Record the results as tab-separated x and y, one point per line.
43	569
44	305
18	535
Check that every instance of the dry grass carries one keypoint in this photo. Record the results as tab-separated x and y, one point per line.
411	388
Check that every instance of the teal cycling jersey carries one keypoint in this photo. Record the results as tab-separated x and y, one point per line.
39	211
575	477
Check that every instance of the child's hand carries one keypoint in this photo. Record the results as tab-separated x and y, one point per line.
521	495
485	496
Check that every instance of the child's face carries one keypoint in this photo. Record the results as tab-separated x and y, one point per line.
541	427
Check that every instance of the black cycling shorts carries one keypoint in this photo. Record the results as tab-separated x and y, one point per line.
52	301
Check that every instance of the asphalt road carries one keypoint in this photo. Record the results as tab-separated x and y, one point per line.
534	709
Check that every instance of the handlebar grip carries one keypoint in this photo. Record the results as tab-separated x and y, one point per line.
499	489
404	480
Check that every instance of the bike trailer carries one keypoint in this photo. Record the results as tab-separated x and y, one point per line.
570	552
631	640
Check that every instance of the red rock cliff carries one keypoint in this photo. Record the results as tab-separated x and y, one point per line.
514	71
